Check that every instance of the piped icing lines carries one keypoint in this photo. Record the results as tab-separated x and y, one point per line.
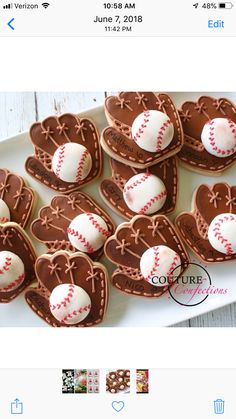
143	125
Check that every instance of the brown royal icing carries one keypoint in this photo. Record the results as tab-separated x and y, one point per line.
193	116
13	239
64	268
18	197
51	226
209	201
121	111
51	133
130	241
111	189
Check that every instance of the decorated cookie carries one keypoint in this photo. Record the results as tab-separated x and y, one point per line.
16	199
72	162
149	256
67	153
17	258
149	191
152	131
72	290
209	127
74	222
210	228
144	129
88	232
69	304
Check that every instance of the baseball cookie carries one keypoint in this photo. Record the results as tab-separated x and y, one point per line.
152	131
17	258
210	229
88	232
149	256
72	290
72	162
67	153
16	199
74	222
145	128
209	127
133	191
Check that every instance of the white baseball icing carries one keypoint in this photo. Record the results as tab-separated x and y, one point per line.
4	212
12	271
88	232
71	162
158	264
69	304
222	233
152	131
144	193
219	137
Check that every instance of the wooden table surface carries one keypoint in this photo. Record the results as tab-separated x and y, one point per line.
19	110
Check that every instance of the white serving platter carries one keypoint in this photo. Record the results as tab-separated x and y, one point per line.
123	310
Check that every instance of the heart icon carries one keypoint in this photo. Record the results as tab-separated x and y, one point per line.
118	406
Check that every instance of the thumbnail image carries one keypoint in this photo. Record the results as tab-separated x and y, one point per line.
81	381
142	381
125	183
68	381
118	381
93	381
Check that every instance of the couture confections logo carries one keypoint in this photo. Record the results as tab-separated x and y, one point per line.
194	287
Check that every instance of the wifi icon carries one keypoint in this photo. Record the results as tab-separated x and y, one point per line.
45	5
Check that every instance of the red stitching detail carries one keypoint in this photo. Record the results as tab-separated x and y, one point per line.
4	220
173	265
60	159
15	283
213	142
81	239
137	182
161	134
152	200
218	235
75	312
156	263
81	163
6	265
140	131
66	300
101	230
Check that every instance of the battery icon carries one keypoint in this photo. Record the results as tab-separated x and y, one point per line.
227	5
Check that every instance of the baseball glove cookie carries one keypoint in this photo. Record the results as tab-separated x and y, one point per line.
209	135
133	191
149	255
72	290
67	153
17	258
74	222
16	199
145	128
210	229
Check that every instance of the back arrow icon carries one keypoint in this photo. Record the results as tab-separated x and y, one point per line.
10	24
